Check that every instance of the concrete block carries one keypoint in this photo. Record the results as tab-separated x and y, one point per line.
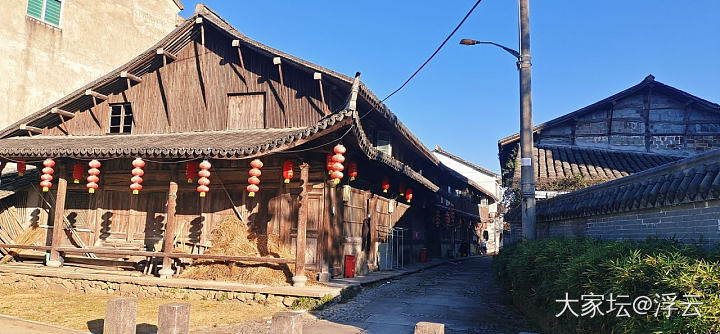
287	323
429	328
174	318
120	316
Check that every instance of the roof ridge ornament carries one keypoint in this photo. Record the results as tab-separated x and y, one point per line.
351	103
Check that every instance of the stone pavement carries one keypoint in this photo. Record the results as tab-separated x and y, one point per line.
462	295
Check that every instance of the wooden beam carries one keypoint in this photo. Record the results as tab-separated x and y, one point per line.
125	74
58	219
127	252
236	43
301	240
318	76
165	55
30	129
278	62
95	94
62	113
169	237
199	21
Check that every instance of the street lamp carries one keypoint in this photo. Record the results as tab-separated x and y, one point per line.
527	172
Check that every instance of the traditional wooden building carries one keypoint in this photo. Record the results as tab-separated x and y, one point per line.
644	127
210	124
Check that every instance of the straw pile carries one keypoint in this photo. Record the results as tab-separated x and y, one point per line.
231	237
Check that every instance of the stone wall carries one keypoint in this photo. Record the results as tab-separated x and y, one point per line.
696	222
93	286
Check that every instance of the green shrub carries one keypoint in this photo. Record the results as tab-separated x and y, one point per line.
540	272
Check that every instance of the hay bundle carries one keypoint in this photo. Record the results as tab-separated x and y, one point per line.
231	237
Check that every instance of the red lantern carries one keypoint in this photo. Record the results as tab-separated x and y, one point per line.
437	218
254	180
204	178
337	163
191	170
47	173
21	167
137	172
352	170
409	194
93	178
78	172
402	189
385	184
329	163
287	170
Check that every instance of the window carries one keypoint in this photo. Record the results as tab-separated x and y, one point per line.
121	118
383	142
45	10
246	111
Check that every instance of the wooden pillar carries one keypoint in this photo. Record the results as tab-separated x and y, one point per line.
169	237
301	243
58	219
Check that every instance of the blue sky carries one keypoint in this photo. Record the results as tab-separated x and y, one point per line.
467	97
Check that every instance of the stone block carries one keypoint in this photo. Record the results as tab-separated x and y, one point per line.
287	323
274	300
174	319
289	301
120	316
429	328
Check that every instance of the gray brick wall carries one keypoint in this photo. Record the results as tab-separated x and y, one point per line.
697	222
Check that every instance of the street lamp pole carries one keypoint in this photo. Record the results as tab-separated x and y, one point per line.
527	171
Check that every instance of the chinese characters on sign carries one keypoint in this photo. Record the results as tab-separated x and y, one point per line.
660	305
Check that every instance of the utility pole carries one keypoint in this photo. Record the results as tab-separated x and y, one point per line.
527	171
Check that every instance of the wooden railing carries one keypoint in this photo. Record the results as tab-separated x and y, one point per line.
128	252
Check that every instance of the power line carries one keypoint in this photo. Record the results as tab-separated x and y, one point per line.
436	51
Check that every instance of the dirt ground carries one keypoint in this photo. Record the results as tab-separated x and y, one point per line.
86	311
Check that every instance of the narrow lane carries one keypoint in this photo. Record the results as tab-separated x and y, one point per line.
464	296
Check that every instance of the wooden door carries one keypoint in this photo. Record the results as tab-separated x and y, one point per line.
246	111
315	218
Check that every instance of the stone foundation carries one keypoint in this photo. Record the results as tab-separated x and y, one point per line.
92	286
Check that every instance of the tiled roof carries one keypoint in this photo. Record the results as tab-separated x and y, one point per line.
439	149
554	163
688	180
239	144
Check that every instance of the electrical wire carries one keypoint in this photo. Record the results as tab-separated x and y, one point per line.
436	51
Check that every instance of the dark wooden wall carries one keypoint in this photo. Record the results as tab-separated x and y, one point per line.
191	93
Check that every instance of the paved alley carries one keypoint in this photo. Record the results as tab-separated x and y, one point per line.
461	295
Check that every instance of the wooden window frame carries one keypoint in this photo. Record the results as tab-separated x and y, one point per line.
43	12
122	118
388	135
264	110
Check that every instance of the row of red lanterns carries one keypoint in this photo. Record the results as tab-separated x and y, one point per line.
335	167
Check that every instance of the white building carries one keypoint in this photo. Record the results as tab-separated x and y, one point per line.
489	181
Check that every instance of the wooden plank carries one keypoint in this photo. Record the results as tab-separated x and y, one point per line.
169	237
301	242
58	219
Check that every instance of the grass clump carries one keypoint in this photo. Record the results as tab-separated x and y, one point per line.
537	273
